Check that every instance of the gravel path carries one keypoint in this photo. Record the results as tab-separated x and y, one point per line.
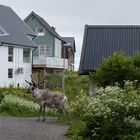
12	128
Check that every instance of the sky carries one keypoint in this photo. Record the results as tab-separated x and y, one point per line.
69	17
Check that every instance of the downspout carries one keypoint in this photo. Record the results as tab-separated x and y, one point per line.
1	43
32	59
32	53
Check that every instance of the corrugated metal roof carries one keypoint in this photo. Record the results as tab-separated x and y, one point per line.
102	40
70	40
45	24
16	29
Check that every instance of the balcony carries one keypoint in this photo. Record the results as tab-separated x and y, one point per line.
50	62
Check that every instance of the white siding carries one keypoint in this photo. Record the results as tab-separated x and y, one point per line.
17	62
57	48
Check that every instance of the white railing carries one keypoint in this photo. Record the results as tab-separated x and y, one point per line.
55	62
39	60
51	62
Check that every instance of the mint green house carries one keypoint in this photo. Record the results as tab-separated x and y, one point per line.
52	49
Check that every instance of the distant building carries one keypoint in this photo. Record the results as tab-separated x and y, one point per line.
102	40
70	51
49	56
15	49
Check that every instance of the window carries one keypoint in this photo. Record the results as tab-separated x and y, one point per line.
49	51
26	55
42	50
10	73
45	50
10	54
40	31
35	53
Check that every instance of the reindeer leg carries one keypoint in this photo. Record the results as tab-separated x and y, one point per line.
43	113
68	115
60	111
40	112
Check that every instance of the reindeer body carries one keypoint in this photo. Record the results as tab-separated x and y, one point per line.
50	99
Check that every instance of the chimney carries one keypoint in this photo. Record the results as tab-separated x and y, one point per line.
53	28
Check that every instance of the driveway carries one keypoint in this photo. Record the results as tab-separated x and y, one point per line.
12	128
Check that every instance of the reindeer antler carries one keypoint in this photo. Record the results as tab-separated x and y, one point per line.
32	79
43	80
28	82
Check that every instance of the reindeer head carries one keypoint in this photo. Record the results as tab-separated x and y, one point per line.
32	85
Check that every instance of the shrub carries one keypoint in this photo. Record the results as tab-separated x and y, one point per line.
112	111
129	137
14	91
78	107
73	130
76	85
18	106
117	68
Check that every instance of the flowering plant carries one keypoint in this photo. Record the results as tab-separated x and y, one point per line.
113	111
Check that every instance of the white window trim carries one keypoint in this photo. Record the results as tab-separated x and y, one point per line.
41	34
27	57
12	73
45	52
11	55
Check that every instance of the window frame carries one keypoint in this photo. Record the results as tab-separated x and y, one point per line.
40	33
26	59
10	55
47	50
10	74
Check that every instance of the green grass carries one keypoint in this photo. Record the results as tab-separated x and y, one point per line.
5	114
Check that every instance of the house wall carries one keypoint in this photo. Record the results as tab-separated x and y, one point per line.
17	62
48	38
58	48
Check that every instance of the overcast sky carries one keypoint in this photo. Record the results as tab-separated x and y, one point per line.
70	16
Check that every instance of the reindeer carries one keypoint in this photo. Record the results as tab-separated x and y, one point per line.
50	99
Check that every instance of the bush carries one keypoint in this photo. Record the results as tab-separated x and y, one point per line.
129	137
76	85
14	91
117	68
18	106
78	107
73	130
112	111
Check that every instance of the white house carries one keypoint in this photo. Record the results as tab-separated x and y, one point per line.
15	49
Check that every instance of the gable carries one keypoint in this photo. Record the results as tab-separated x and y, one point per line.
101	41
70	40
14	28
33	23
43	23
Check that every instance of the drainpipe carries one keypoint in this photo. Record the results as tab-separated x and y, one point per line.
63	73
1	43
32	58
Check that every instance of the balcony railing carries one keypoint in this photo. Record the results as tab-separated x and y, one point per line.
51	62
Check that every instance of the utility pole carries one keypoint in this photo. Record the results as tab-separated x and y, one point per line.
63	73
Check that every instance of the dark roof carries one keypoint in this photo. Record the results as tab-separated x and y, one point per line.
16	30
102	40
70	40
45	24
